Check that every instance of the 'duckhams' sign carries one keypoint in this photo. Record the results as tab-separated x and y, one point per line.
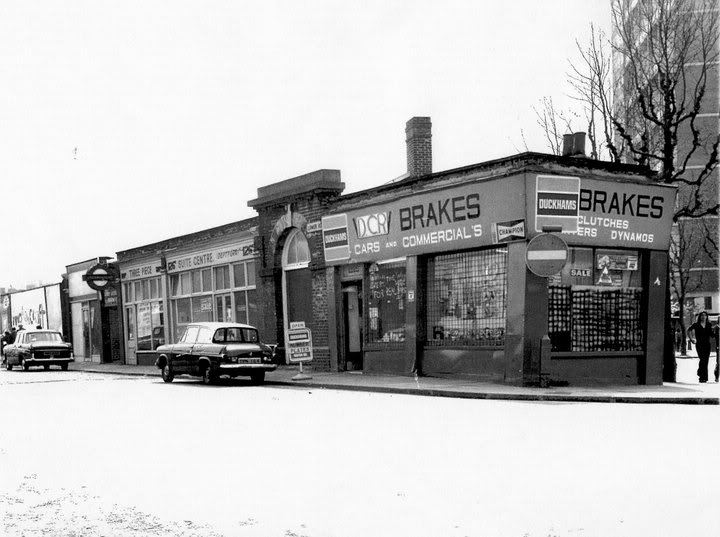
605	213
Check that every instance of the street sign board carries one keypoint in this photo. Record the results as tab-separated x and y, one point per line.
299	345
546	255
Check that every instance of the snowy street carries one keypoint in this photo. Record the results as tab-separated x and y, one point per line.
84	454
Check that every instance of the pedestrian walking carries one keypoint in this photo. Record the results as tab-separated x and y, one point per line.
700	333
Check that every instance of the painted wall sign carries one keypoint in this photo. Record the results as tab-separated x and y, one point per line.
229	254
313	227
453	218
609	213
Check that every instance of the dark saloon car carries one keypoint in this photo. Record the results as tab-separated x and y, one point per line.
38	347
211	350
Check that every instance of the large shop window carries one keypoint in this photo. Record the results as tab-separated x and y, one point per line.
386	312
466	298
222	293
595	303
144	313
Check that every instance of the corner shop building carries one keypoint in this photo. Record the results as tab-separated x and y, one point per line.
428	274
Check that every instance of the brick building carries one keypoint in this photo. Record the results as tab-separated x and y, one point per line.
428	274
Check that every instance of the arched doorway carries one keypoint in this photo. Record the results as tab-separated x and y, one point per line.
296	281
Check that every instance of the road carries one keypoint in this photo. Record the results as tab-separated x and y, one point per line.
85	454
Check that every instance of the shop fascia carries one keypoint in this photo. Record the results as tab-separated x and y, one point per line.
590	212
208	258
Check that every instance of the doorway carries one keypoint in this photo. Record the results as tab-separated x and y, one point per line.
352	326
224	309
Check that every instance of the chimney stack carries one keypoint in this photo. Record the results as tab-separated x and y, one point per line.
418	136
574	145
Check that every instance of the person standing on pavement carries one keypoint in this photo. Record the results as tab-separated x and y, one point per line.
700	333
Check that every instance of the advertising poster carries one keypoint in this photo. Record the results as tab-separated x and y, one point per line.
37	307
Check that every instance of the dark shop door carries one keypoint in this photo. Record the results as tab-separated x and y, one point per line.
299	296
352	322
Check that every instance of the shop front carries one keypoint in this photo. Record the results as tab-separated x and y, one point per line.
431	276
212	284
143	298
85	313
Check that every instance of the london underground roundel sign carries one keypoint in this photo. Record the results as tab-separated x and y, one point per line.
99	276
546	255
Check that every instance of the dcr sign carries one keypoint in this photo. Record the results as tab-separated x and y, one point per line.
372	225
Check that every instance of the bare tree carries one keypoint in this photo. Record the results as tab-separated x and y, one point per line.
689	253
666	51
553	124
644	95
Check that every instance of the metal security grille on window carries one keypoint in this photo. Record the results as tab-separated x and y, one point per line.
386	311
595	303
466	299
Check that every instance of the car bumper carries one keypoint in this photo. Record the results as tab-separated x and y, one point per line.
48	361
238	369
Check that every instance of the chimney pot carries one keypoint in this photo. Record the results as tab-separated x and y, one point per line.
574	145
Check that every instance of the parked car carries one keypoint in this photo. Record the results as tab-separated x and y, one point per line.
34	347
211	350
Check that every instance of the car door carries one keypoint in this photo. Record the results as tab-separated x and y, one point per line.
11	351
205	347
182	350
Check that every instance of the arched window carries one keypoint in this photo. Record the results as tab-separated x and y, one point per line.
296	254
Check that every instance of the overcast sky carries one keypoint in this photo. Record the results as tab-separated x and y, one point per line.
125	122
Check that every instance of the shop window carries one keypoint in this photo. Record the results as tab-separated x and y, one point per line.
138	290
155	288
253	317
185	286
466	299
222	277
207	280
594	304
183	315
250	273
239	274
296	253
196	281
130	322
174	285
386	310
202	308
241	311
128	291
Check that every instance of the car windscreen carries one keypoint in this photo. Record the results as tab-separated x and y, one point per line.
43	337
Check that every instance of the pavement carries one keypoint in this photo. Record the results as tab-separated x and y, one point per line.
687	390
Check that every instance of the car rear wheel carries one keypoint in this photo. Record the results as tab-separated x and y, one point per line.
167	374
257	378
208	376
8	365
64	367
46	367
25	365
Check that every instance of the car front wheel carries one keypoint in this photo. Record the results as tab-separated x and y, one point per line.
64	367
167	374
8	365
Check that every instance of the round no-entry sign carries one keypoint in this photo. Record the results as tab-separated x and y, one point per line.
546	255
